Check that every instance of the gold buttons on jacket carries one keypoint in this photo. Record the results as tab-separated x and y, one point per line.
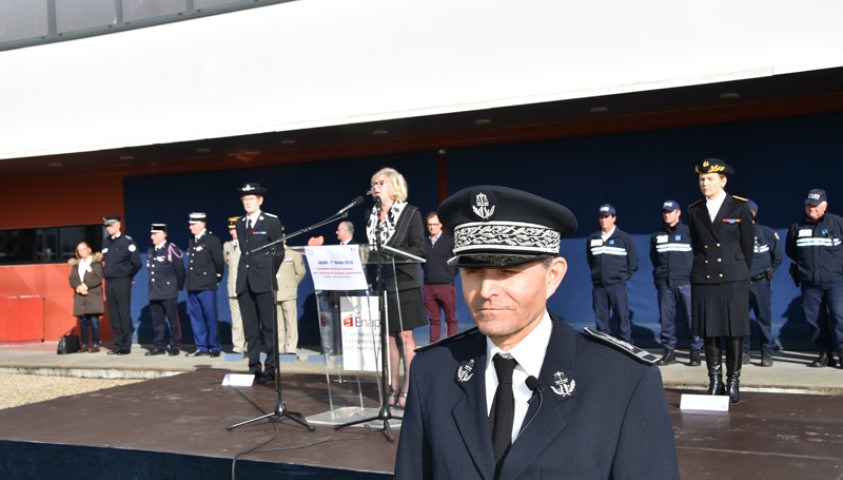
717	245
719	260
705	262
720	275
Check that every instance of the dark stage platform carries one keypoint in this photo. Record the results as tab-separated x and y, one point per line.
176	428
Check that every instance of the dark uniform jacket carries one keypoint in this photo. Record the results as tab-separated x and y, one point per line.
671	254
166	271
817	249
91	303
767	256
120	257
205	264
614	422
723	248
254	270
613	261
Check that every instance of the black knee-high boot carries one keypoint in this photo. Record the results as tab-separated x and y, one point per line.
715	367
734	361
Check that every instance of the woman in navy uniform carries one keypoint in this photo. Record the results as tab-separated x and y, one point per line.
568	405
166	278
722	237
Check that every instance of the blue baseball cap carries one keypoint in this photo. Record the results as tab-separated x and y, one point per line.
670	205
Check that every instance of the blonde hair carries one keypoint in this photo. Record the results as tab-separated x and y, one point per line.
399	184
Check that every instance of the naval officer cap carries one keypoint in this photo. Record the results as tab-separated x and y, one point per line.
110	220
252	189
197	217
499	226
714	165
158	227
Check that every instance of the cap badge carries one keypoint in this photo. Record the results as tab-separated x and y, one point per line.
562	385
481	206
248	188
466	371
814	196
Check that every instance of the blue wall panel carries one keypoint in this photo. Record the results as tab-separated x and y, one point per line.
777	162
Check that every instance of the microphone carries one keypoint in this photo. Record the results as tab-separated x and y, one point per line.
357	201
535	387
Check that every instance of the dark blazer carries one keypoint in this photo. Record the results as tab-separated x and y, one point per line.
91	303
205	264
409	237
614	423
254	269
722	249
166	271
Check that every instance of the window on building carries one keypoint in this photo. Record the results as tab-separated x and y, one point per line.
47	244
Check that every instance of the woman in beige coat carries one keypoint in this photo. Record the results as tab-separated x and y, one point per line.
86	281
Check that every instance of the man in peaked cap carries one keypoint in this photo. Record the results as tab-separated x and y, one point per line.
815	243
612	258
472	410
671	255
256	280
766	258
231	254
121	261
205	266
166	277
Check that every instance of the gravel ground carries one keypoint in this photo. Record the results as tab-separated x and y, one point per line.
21	389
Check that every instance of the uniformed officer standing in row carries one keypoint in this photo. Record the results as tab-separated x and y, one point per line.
121	261
524	395
722	237
670	252
612	258
256	280
166	278
766	258
205	267
231	254
815	243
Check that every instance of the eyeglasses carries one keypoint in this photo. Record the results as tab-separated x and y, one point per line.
380	183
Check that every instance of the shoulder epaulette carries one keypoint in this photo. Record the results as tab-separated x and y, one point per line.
470	331
695	203
129	238
740	198
639	354
270	215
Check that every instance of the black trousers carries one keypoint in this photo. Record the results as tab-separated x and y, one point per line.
257	310
118	295
157	310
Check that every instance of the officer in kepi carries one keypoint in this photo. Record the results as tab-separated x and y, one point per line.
120	262
166	278
766	258
524	395
815	243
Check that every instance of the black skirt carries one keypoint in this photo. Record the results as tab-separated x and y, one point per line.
720	310
412	314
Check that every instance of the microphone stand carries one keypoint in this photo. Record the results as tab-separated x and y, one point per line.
384	412
281	410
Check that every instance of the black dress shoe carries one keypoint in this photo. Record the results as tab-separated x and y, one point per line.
215	353
766	359
696	359
157	351
267	377
824	359
118	352
173	352
197	353
669	357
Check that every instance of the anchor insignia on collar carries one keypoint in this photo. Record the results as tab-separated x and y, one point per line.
562	385
466	371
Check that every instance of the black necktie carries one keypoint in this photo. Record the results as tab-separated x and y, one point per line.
248	224
503	407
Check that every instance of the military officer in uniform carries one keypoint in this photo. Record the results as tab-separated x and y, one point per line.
121	261
166	277
289	276
766	258
256	277
815	243
722	237
523	395
205	267
612	258
670	252
231	254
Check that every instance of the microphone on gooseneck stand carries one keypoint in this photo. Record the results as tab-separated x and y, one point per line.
354	203
535	387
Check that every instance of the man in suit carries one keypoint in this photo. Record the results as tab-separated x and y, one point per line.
205	267
231	255
166	278
256	278
523	395
120	262
290	275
